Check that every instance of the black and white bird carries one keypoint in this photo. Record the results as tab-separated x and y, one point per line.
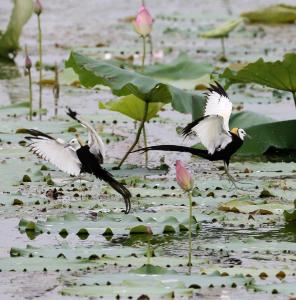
212	131
74	158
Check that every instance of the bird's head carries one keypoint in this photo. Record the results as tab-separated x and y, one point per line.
239	132
74	144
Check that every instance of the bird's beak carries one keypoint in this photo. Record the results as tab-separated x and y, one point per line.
67	146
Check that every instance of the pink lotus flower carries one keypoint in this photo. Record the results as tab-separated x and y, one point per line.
38	8
143	23
184	178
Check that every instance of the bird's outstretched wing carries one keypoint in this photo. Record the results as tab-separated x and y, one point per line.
218	103
210	131
95	143
53	151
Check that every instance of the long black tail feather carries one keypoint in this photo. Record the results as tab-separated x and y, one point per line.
117	186
198	152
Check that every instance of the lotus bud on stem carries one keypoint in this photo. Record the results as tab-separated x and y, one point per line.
143	26
38	9
185	181
28	66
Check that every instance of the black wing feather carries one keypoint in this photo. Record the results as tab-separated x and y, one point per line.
187	130
104	175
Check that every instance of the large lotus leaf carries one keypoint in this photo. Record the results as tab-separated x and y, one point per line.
273	14
246	119
280	135
132	107
222	30
9	41
123	82
279	75
182	67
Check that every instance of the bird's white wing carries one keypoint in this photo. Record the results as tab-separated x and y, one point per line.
218	103
95	143
210	130
54	151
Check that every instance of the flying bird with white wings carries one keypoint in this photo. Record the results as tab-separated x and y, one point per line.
74	158
212	131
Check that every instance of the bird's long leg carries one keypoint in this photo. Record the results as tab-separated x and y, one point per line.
230	177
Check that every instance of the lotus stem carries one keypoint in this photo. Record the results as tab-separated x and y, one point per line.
30	95
148	252
143	54
223	47
56	90
151	49
137	136
294	97
28	68
190	233
145	145
40	65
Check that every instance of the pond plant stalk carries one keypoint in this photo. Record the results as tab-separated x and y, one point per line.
28	66
143	26
56	89
185	181
223	47
38	8
140	128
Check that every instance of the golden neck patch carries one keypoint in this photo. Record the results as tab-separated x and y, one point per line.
234	131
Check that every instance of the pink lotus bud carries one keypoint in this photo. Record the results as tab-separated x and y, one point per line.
28	62
143	23
38	8
184	178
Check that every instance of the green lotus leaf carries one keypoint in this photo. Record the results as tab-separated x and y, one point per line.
132	107
183	67
280	74
280	13
123	82
222	31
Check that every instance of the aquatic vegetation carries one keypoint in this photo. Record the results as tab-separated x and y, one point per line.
38	9
28	66
65	237
222	32
9	40
273	14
